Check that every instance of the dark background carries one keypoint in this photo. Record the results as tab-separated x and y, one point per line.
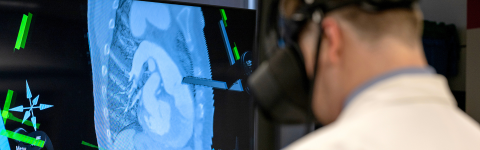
233	117
56	64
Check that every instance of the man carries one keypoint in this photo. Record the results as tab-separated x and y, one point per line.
373	87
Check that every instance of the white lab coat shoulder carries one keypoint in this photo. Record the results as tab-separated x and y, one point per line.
414	112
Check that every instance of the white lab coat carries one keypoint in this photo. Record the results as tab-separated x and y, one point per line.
405	112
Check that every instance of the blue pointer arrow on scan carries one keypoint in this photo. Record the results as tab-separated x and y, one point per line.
237	86
205	82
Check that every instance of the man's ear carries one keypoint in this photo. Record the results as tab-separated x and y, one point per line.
333	38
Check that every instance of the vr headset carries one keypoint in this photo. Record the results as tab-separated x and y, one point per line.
280	85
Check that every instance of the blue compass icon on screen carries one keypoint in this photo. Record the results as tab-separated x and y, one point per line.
29	111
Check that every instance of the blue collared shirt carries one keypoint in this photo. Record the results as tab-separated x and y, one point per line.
410	70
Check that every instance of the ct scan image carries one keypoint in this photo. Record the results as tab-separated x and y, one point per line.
144	104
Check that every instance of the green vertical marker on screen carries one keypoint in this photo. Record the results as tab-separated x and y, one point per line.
6	107
23	32
27	28
224	17
235	51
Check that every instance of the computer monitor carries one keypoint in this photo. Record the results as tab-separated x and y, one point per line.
171	75
125	74
46	85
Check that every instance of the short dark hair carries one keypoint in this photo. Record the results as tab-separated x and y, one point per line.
405	24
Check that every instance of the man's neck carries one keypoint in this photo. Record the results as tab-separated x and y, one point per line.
391	54
374	61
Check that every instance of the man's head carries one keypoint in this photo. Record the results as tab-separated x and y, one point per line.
357	46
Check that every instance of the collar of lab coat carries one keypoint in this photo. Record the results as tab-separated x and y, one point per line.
403	71
404	89
400	89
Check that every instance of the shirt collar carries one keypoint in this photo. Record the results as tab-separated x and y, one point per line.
409	70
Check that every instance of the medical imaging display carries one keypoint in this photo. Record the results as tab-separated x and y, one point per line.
171	76
125	75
